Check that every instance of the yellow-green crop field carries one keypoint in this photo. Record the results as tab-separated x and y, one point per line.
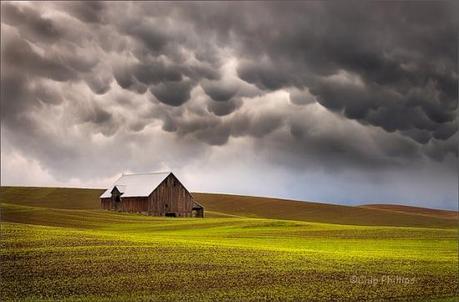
72	251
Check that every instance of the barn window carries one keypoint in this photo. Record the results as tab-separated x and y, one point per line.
117	198
166	206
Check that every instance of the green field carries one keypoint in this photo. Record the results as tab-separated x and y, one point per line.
57	245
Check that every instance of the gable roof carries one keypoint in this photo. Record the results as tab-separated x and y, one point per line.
136	185
120	188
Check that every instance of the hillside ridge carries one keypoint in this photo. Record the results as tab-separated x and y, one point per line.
247	206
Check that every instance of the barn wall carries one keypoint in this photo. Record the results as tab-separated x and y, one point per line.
134	204
106	203
127	204
170	197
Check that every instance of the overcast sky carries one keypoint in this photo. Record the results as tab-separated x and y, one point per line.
346	103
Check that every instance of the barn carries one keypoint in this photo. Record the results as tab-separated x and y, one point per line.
156	194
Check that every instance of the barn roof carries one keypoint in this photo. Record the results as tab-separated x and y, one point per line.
136	185
197	205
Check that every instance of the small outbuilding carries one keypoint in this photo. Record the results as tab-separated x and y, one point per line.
156	194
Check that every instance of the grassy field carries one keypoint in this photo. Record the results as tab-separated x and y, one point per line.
57	245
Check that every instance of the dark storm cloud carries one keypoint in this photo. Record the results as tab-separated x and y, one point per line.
219	91
23	71
125	78
155	73
99	116
87	11
102	120
99	82
19	57
172	93
30	23
300	97
404	55
385	72
224	108
149	33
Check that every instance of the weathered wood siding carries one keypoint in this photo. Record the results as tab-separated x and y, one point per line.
170	197
127	204
134	204
106	203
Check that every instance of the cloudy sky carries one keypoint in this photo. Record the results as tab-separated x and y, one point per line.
353	103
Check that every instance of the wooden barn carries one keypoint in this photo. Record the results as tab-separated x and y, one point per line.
156	194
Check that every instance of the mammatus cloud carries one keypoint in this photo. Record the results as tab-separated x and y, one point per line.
304	89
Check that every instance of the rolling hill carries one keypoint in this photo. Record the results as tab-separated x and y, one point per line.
263	207
225	205
414	210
